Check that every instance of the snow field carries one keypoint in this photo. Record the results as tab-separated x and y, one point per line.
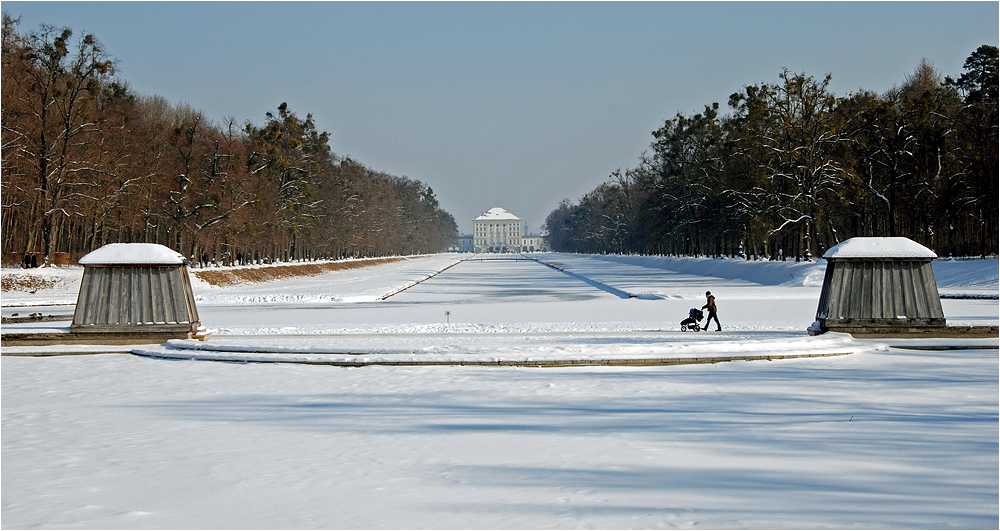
897	439
882	438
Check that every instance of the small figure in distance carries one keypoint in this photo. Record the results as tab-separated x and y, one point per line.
711	312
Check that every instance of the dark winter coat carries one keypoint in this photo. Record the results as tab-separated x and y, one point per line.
710	304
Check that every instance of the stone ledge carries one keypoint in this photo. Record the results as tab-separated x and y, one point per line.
104	338
918	332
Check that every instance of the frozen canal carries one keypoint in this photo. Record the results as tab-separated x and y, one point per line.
886	438
511	293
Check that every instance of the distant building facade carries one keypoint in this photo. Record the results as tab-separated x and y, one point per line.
498	231
463	244
533	242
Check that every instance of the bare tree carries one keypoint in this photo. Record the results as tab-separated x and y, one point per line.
58	126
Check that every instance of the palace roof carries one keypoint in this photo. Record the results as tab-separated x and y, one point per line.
497	213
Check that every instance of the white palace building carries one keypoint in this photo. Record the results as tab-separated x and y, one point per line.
499	231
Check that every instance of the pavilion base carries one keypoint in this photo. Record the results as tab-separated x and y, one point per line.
97	338
930	332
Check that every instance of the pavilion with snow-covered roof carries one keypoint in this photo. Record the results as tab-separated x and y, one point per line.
136	288
877	285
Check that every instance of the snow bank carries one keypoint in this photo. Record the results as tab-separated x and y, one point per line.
956	277
968	277
44	286
764	272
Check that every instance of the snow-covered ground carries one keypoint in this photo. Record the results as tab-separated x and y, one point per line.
881	438
897	439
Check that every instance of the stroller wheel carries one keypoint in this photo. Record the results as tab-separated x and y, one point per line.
696	328
684	328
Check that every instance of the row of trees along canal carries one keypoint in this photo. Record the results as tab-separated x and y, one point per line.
793	170
86	161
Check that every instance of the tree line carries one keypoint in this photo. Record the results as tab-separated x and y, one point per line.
87	161
792	170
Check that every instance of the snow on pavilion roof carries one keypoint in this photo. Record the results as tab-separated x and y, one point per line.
133	254
895	247
497	213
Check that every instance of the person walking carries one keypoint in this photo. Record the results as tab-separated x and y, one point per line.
710	305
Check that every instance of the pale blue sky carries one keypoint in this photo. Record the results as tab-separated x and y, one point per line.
510	104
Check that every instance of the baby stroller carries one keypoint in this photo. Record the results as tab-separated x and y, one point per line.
691	323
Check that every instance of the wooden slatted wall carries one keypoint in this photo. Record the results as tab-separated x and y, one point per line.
128	298
880	293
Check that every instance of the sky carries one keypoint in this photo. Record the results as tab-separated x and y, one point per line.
517	105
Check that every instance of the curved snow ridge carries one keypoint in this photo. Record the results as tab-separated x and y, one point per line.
531	351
